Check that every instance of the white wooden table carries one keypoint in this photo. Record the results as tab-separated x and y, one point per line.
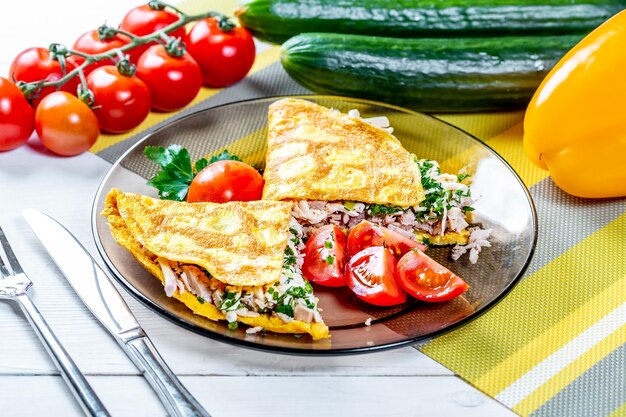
228	381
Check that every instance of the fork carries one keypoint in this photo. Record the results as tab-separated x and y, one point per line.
14	285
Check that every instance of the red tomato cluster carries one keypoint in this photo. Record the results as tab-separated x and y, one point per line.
164	79
379	265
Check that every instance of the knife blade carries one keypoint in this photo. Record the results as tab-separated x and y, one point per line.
95	289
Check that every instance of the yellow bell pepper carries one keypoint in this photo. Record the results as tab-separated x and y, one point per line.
575	125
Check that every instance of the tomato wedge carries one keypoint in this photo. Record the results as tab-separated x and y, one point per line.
427	280
371	276
325	257
366	234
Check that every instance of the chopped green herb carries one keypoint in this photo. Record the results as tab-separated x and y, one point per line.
382	210
328	244
285	309
296	292
461	177
437	198
293	231
200	300
330	260
308	288
233	325
229	300
467	208
349	205
224	156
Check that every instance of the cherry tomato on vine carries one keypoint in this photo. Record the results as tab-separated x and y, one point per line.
371	276
225	56
65	125
90	43
325	256
121	102
34	64
144	20
16	116
426	280
224	181
173	81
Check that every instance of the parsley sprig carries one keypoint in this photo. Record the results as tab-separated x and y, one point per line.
177	172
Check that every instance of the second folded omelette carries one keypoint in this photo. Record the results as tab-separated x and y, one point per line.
341	169
234	261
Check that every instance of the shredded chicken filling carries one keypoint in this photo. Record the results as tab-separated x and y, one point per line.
290	298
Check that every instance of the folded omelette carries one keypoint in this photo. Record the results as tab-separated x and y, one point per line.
234	261
342	169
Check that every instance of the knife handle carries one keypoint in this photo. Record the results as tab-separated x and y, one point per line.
177	400
89	401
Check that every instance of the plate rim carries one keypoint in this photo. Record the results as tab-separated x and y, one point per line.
120	279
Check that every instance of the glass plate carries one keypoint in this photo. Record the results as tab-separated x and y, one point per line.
504	206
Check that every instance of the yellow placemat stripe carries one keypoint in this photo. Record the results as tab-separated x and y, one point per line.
541	300
263	60
509	145
619	412
568	374
483	125
553	338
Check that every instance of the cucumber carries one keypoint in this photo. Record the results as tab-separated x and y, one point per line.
278	20
430	74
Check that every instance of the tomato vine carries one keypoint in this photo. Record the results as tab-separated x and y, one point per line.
173	46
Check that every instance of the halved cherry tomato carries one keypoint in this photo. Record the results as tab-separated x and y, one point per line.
16	116
144	20
325	256
370	274
121	102
90	43
224	56
65	125
34	64
427	280
173	81
366	234
224	181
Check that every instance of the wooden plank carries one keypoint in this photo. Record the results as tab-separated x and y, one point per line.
268	396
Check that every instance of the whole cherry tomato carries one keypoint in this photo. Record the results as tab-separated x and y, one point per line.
225	55
121	102
366	234
65	125
91	43
224	181
34	64
16	116
371	276
144	20
426	280
173	81
325	256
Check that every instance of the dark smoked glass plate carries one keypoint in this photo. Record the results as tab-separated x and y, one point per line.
504	206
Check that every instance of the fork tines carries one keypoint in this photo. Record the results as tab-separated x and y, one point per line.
8	252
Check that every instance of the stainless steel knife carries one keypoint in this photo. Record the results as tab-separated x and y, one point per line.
93	286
